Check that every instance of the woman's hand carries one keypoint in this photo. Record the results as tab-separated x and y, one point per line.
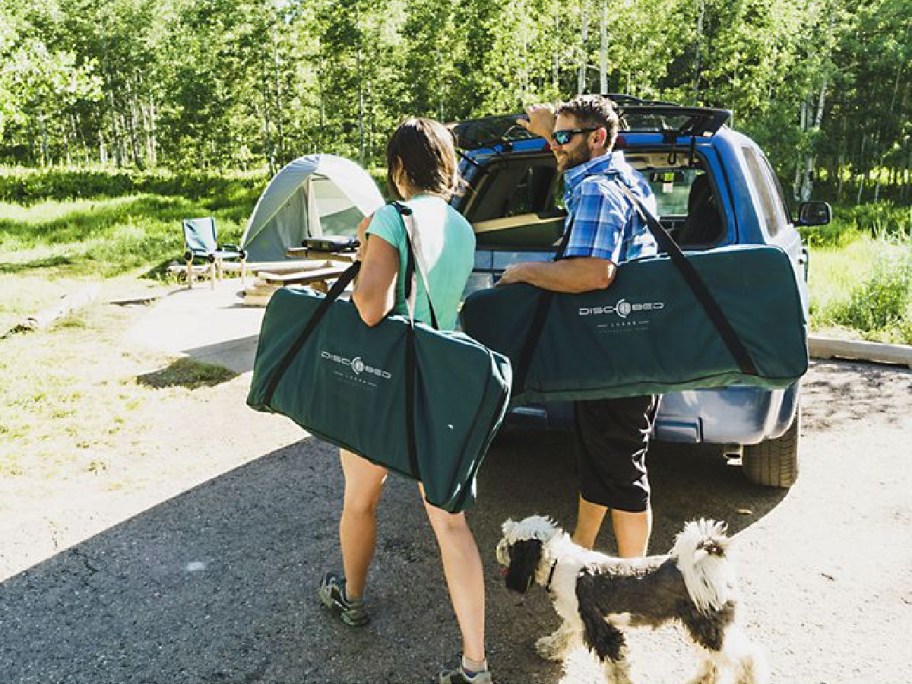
362	235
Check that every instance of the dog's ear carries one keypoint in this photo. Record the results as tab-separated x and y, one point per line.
525	556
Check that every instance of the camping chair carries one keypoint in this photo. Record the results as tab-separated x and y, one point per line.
200	242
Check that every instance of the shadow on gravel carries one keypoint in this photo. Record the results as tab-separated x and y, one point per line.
217	585
846	391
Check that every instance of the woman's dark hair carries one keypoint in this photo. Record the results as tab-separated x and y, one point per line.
424	149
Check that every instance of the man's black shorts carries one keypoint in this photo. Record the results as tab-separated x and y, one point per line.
612	437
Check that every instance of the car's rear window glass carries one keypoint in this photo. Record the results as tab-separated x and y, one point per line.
671	190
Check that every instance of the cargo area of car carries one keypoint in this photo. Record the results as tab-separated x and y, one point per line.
518	205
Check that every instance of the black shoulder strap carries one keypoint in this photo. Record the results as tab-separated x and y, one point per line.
538	322
337	289
411	364
404	210
696	284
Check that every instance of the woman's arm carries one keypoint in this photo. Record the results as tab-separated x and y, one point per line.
375	289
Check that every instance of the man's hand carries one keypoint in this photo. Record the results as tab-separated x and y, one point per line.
581	274
514	273
540	122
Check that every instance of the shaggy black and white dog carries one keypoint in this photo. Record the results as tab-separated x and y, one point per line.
596	595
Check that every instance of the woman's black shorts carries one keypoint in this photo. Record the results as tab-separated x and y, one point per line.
612	437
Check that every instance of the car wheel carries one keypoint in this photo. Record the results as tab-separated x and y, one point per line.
774	462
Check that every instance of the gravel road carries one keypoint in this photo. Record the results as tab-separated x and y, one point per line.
214	582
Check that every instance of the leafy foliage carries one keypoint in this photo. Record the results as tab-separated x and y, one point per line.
823	85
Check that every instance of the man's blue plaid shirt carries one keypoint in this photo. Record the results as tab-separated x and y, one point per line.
605	224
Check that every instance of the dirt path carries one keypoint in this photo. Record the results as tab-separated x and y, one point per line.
198	566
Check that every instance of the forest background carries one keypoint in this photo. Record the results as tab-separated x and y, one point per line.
190	106
825	86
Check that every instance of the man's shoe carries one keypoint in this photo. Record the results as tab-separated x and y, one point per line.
332	595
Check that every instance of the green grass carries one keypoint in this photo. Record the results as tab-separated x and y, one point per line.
75	400
105	237
863	288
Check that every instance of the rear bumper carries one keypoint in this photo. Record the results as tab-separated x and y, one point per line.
729	415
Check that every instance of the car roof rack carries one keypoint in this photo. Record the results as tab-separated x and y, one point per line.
637	116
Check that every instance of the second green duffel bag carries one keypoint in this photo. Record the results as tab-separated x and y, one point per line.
648	332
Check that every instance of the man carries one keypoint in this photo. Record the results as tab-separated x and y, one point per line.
606	230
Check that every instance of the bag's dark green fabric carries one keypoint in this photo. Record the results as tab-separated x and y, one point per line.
648	333
349	384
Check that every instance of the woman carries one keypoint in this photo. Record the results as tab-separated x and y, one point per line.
421	171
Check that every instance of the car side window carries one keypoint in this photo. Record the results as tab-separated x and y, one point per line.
774	215
512	189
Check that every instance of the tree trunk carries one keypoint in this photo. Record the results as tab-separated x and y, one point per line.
115	134
151	141
698	57
67	124
840	164
42	128
603	49
134	136
267	133
584	54
810	159
861	162
280	133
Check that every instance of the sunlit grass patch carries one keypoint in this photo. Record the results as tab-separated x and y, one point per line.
71	399
103	237
864	287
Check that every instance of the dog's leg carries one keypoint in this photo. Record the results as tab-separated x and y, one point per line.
706	674
617	671
748	661
738	661
556	645
607	642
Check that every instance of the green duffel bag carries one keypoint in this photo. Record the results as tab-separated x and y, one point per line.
422	402
726	316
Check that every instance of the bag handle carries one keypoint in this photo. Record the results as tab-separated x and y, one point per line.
538	321
696	284
411	363
414	264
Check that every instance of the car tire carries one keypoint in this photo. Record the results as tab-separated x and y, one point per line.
774	462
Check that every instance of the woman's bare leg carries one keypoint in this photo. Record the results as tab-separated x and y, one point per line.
464	575
358	524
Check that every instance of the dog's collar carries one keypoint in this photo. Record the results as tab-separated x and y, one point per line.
551	576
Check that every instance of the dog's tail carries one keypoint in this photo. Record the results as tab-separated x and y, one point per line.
700	552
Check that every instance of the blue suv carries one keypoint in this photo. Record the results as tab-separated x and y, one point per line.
713	187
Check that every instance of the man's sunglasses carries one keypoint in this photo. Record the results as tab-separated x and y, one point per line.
564	136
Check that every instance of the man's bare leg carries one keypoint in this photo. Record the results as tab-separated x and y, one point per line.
589	517
632	530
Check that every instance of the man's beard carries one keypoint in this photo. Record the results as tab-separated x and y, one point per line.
569	160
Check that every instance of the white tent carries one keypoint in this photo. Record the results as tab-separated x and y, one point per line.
313	196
